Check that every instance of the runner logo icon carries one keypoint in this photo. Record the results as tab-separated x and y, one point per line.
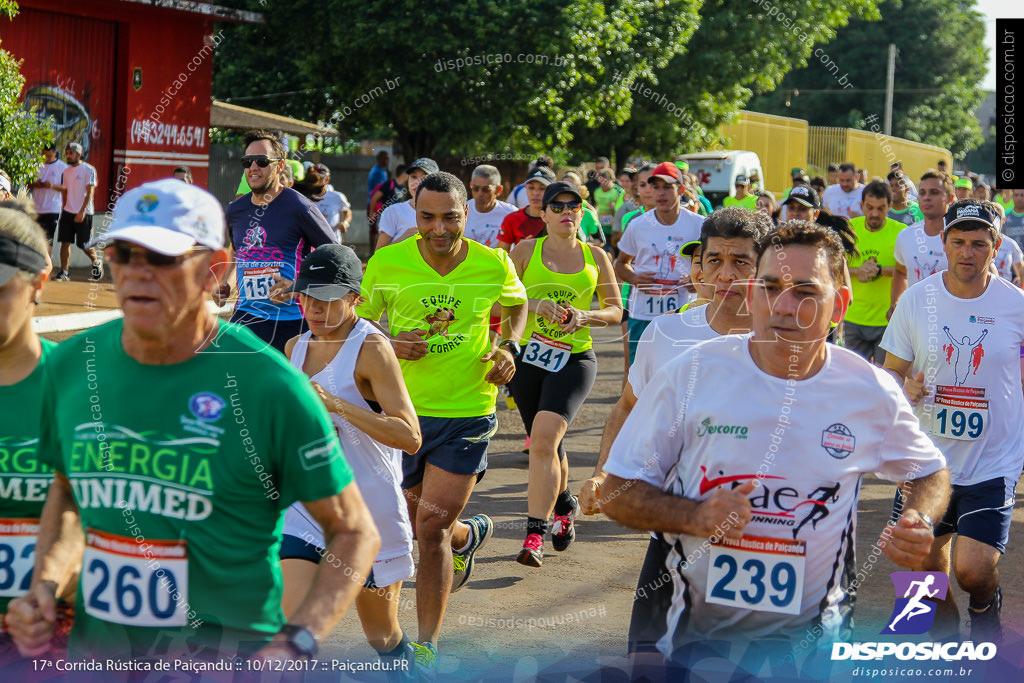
913	613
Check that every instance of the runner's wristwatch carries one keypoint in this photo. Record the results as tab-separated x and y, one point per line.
512	347
300	639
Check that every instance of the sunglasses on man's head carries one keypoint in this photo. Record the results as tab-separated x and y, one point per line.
121	254
261	160
559	207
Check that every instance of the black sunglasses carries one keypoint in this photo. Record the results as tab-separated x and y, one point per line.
559	207
121	254
262	161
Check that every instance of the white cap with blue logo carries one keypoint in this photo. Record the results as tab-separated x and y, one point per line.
167	216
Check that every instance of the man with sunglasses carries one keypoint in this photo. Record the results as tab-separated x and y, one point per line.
486	211
181	497
271	229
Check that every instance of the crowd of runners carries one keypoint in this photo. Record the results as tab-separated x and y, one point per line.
176	485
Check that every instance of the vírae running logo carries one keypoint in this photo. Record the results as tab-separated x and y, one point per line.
913	614
707	429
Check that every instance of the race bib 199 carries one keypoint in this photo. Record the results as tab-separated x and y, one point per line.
17	555
257	279
546	353
757	573
959	412
135	581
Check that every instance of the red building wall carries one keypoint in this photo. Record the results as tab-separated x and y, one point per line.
131	82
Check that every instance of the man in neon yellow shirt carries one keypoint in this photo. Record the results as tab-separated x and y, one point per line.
437	290
871	272
743	199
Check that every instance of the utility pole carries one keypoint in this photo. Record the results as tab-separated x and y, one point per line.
889	78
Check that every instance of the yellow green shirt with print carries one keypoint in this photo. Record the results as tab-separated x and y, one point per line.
454	309
871	300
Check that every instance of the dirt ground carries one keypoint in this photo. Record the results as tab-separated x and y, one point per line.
568	619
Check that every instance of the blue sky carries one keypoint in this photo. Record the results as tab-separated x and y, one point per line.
993	9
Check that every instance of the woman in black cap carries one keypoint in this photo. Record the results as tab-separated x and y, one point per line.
355	372
556	366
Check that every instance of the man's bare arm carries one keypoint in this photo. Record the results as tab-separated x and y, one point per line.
639	505
593	489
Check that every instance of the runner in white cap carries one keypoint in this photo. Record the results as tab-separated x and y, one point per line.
178	441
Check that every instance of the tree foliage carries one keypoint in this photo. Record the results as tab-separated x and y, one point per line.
21	135
941	61
559	77
739	49
458	77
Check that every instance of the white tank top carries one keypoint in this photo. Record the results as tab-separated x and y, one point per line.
377	468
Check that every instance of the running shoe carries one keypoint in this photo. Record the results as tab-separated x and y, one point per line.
986	626
532	554
97	272
563	531
482	527
424	660
526	448
62	276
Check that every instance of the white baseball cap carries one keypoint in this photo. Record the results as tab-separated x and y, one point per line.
167	216
5	183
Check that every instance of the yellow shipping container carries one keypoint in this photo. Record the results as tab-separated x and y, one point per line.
784	143
780	142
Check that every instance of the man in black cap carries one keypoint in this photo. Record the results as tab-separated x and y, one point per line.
527	223
967	397
399	220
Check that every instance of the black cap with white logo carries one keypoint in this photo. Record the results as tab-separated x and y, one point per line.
329	273
971	211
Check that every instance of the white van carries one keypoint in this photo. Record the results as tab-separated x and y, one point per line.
717	171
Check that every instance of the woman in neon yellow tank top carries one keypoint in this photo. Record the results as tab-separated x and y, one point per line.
556	366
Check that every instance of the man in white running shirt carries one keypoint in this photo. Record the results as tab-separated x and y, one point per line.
486	211
398	221
753	485
649	258
919	252
968	398
729	239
